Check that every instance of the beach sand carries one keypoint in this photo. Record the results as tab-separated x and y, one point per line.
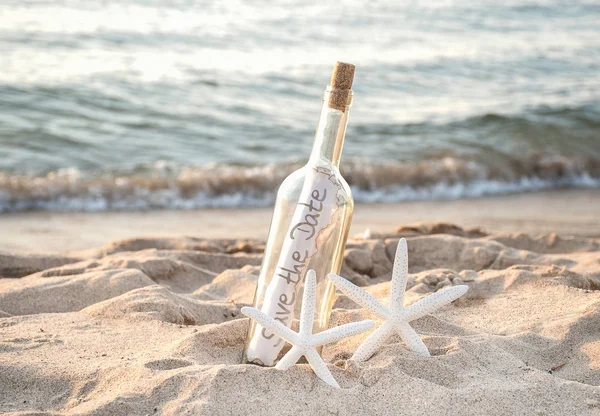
152	325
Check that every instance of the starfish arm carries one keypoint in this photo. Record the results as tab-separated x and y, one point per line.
290	358
359	296
272	324
309	300
434	301
320	368
412	339
399	276
340	332
373	342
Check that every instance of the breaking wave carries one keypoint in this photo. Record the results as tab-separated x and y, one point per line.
163	186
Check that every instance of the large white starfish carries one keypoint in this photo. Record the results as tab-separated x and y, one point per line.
304	342
396	317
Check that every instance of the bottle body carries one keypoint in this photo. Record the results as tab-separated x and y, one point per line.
309	229
329	246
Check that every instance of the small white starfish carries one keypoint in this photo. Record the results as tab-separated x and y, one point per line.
304	341
396	317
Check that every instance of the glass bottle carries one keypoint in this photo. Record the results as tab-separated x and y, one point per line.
309	228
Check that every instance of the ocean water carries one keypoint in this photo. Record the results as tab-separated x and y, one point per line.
142	104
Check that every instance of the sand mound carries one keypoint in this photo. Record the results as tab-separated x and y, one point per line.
158	302
19	265
152	326
548	243
237	286
70	293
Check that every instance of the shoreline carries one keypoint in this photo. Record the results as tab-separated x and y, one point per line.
566	212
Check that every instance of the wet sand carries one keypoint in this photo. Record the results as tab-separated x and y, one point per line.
573	212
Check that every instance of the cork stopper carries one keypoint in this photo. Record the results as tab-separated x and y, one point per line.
340	85
342	76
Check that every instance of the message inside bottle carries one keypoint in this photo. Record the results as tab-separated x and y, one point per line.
314	213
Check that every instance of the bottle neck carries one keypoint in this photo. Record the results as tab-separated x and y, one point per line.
331	130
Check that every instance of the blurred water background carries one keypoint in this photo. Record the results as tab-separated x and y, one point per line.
141	104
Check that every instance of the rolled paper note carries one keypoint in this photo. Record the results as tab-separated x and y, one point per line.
316	208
